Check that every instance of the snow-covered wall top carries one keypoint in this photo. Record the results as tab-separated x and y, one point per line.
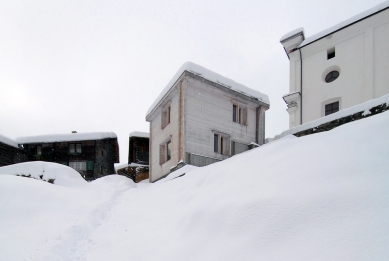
66	137
345	23
365	107
8	141
140	134
213	77
292	33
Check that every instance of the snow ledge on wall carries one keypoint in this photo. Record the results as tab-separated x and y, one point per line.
365	107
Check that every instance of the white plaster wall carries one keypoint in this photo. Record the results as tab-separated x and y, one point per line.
158	136
361	57
208	108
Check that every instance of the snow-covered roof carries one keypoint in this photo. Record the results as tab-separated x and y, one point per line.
211	76
292	33
66	137
140	134
8	141
354	19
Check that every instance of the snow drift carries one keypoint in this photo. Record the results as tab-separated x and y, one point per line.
318	197
47	171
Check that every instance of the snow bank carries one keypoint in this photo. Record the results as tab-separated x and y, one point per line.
178	173
66	137
211	76
140	134
8	141
365	107
318	197
62	175
356	18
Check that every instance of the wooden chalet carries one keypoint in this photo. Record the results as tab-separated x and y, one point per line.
10	152
92	154
137	168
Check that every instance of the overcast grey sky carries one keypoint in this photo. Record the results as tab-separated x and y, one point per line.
99	65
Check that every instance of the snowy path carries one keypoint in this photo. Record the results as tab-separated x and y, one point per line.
72	244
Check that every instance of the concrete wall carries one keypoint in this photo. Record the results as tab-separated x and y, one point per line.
209	109
361	57
159	135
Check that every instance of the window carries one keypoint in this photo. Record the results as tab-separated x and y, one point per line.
165	116
332	76
239	114
75	148
165	151
331	53
78	165
215	143
38	150
331	108
220	143
168	150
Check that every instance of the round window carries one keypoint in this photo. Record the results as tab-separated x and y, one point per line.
332	76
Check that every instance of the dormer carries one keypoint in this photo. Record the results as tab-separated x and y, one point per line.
292	40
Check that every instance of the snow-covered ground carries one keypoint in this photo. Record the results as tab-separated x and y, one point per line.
318	197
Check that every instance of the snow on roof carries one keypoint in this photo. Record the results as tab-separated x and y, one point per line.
365	107
292	33
345	23
66	137
213	77
8	141
140	134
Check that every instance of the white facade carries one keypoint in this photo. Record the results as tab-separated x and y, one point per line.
192	114
357	49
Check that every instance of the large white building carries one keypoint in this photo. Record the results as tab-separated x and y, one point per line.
202	117
340	67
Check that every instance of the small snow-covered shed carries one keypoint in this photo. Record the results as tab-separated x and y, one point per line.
340	67
202	117
92	154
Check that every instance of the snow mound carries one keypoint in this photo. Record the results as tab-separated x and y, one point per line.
318	197
47	171
180	172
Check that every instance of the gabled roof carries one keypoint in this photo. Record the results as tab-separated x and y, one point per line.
8	141
372	11
66	137
140	134
211	76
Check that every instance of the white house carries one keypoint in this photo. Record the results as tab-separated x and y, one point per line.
340	67
202	117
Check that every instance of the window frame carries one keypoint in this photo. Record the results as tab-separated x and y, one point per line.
221	143
75	148
332	110
239	114
166	115
39	150
164	149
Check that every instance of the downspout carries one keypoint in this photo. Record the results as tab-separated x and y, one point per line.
301	87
